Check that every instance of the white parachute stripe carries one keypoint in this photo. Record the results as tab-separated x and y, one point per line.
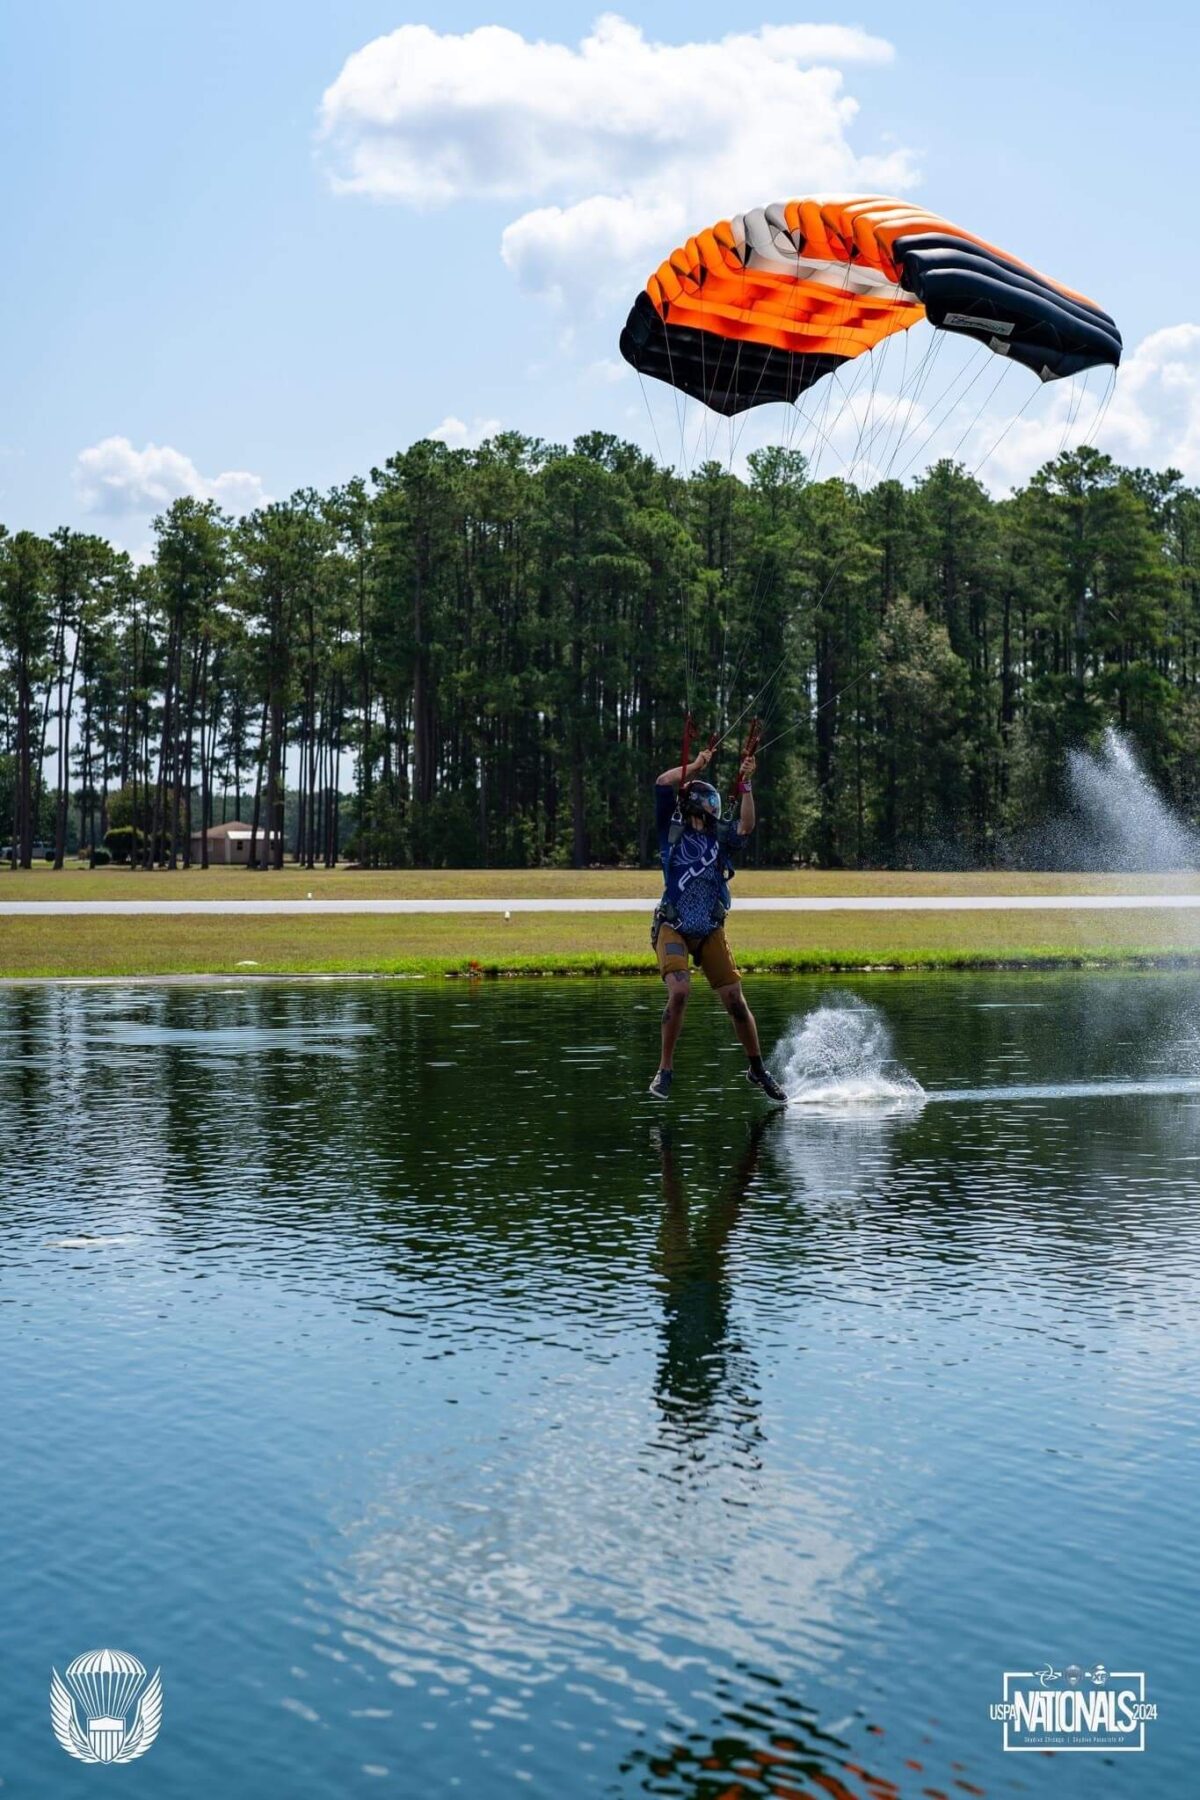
764	246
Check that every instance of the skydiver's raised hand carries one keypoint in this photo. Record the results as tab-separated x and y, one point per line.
697	766
747	816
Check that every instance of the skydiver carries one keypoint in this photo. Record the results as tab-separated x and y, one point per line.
699	851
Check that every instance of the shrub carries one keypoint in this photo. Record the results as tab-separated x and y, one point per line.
119	841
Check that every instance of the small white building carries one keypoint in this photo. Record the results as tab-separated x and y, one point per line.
230	843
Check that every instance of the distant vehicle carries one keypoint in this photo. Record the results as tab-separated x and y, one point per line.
45	851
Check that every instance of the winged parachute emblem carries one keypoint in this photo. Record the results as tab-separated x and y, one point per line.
106	1686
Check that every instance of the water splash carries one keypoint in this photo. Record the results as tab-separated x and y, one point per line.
841	1055
1114	820
1123	822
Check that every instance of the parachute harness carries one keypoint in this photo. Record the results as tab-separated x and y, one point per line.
664	912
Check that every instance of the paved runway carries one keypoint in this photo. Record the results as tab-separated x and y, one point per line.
824	903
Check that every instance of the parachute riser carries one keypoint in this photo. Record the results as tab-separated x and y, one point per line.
749	749
689	733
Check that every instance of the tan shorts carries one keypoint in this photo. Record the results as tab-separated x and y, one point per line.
674	952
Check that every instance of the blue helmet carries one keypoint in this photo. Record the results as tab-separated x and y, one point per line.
702	797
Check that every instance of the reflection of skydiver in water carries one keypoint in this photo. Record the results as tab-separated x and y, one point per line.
702	1366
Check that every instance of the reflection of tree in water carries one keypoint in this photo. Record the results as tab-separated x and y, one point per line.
706	1379
764	1745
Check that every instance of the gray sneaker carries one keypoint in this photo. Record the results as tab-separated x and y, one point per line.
660	1087
764	1080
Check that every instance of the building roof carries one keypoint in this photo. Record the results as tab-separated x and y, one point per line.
236	829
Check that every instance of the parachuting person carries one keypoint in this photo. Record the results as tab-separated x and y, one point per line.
699	851
756	310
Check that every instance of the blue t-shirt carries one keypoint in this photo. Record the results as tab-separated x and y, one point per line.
696	866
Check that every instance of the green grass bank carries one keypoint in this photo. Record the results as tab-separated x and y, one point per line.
568	944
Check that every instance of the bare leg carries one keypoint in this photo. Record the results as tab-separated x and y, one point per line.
734	1002
677	987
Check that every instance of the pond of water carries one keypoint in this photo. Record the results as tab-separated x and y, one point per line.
443	1414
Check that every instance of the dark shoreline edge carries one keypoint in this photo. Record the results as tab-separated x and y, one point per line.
557	969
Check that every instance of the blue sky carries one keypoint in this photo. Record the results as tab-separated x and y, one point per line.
204	293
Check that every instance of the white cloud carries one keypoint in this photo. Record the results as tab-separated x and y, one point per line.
458	435
115	479
1155	414
1149	416
1152	418
608	369
625	144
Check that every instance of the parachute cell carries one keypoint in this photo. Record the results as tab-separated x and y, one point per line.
761	306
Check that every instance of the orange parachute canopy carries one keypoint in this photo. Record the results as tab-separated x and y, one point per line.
759	307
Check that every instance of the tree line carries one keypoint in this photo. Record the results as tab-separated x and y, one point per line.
484	657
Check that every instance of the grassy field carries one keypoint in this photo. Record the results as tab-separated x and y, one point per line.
562	943
79	883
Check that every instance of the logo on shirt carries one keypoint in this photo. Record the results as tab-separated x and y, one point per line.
697	854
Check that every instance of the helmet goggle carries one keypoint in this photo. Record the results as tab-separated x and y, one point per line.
702	797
